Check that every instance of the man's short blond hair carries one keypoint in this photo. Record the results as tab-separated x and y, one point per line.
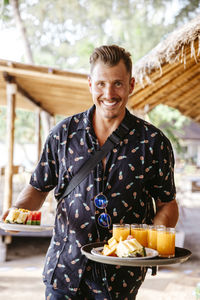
111	56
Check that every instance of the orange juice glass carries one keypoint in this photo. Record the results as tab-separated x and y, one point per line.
166	242
152	237
140	233
121	231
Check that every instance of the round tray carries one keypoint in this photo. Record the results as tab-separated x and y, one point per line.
181	255
24	227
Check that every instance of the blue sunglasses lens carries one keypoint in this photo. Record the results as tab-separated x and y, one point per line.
104	220
100	201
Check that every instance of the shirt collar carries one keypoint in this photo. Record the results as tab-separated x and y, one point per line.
85	122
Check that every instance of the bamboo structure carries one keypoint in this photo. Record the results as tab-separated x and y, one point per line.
11	101
38	133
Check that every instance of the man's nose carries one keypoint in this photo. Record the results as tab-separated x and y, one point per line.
109	92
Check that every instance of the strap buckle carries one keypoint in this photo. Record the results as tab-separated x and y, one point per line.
114	138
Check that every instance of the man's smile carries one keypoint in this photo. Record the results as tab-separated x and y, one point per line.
108	103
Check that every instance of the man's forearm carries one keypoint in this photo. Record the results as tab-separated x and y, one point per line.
30	198
167	214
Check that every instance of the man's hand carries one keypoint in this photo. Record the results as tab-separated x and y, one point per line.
3	217
30	199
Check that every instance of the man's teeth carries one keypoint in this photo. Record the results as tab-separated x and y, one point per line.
109	103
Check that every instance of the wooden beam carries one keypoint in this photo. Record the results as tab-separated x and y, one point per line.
185	96
38	133
24	93
52	78
194	108
11	99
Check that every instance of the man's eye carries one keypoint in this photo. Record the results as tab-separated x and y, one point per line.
100	84
118	83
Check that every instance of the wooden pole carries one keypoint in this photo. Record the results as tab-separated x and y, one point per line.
51	200
11	99
38	133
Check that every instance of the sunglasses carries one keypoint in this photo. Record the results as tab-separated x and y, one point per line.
101	202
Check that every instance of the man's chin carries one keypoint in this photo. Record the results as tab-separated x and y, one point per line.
111	116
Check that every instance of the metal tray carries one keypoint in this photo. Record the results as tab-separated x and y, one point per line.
181	255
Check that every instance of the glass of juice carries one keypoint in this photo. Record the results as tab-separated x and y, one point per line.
152	237
121	231
166	242
140	233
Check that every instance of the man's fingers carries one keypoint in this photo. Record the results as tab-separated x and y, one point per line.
11	231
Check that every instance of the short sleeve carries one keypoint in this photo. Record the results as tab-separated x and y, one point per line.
162	187
45	175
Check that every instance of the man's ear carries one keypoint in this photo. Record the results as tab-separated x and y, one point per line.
90	83
132	85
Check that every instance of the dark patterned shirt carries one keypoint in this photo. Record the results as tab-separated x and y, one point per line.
138	169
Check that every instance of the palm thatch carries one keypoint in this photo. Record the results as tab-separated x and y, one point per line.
170	73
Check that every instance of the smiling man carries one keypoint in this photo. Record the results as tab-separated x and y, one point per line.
121	187
110	85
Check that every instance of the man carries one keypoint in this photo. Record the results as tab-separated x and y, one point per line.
138	169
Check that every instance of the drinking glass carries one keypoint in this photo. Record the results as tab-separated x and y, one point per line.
121	231
166	242
152	237
140	233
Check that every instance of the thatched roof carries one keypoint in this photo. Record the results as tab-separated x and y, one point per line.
170	73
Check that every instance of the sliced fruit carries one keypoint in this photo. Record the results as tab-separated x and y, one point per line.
107	251
112	242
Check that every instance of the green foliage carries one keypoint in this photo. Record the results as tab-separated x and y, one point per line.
171	122
2	124
24	126
188	11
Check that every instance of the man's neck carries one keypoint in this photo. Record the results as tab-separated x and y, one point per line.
104	127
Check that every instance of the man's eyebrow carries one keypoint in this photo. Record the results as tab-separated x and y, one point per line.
100	80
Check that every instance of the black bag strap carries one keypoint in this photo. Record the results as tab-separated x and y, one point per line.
111	141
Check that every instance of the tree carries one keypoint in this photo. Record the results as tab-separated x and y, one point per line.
171	122
22	30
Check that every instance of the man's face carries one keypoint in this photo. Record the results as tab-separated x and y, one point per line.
110	88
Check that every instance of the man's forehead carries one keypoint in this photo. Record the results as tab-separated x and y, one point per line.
102	70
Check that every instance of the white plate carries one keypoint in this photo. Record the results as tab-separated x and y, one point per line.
22	227
150	253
